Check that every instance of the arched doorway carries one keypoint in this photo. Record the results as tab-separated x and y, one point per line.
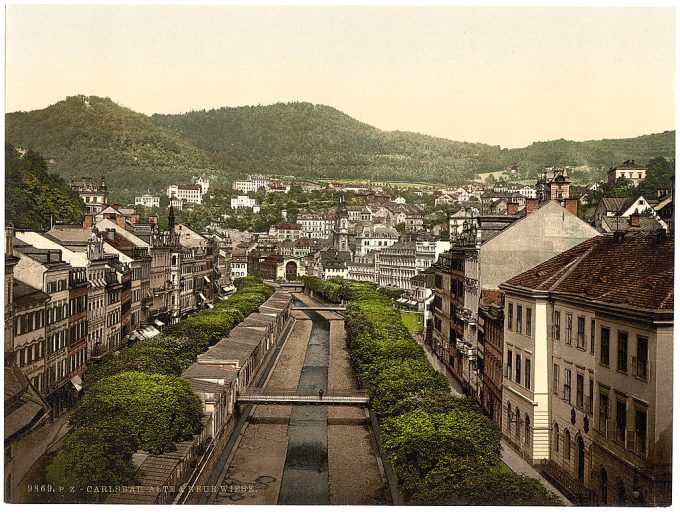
604	481
580	458
291	270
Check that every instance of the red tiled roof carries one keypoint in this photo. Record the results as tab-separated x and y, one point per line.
637	271
490	297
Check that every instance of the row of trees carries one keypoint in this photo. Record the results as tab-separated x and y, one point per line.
444	450
136	400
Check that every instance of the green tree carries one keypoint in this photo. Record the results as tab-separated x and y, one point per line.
160	410
659	176
34	197
97	454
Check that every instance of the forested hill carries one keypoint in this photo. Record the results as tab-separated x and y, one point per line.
316	141
91	135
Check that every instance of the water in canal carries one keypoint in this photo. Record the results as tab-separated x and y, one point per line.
305	472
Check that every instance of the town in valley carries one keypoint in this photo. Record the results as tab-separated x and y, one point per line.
280	304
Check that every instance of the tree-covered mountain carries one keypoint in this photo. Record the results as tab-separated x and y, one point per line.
92	135
34	197
316	141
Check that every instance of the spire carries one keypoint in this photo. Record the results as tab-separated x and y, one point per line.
171	220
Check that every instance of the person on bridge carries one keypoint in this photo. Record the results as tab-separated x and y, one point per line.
320	394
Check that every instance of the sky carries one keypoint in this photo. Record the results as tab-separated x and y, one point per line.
504	76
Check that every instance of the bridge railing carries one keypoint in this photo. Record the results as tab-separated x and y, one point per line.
294	392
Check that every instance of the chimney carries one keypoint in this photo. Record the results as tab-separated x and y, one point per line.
571	204
110	234
88	221
120	221
532	205
618	236
634	219
153	220
9	242
512	208
135	218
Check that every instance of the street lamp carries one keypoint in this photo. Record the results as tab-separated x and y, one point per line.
636	488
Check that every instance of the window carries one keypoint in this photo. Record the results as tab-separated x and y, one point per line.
568	338
591	389
579	391
528	330
641	359
592	336
527	429
527	373
556	325
567	445
620	421
517	422
510	309
509	365
556	379
604	346
622	352
567	385
519	319
640	431
518	368
556	437
509	416
581	332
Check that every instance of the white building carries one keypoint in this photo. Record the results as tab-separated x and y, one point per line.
148	201
204	183
376	237
252	184
316	226
191	193
399	199
633	173
245	202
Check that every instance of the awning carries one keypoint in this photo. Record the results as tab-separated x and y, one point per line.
402	300
147	333
202	297
411	302
205	277
77	382
228	289
210	305
158	323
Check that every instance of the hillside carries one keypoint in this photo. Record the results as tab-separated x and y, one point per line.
315	141
92	135
34	197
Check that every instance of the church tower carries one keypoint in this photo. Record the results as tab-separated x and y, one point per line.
341	228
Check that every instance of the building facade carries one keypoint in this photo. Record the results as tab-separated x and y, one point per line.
588	390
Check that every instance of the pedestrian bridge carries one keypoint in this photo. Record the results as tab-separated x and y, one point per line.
325	308
355	398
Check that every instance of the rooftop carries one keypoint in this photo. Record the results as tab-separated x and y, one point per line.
636	271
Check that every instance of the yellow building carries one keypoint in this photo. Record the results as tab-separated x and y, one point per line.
588	352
